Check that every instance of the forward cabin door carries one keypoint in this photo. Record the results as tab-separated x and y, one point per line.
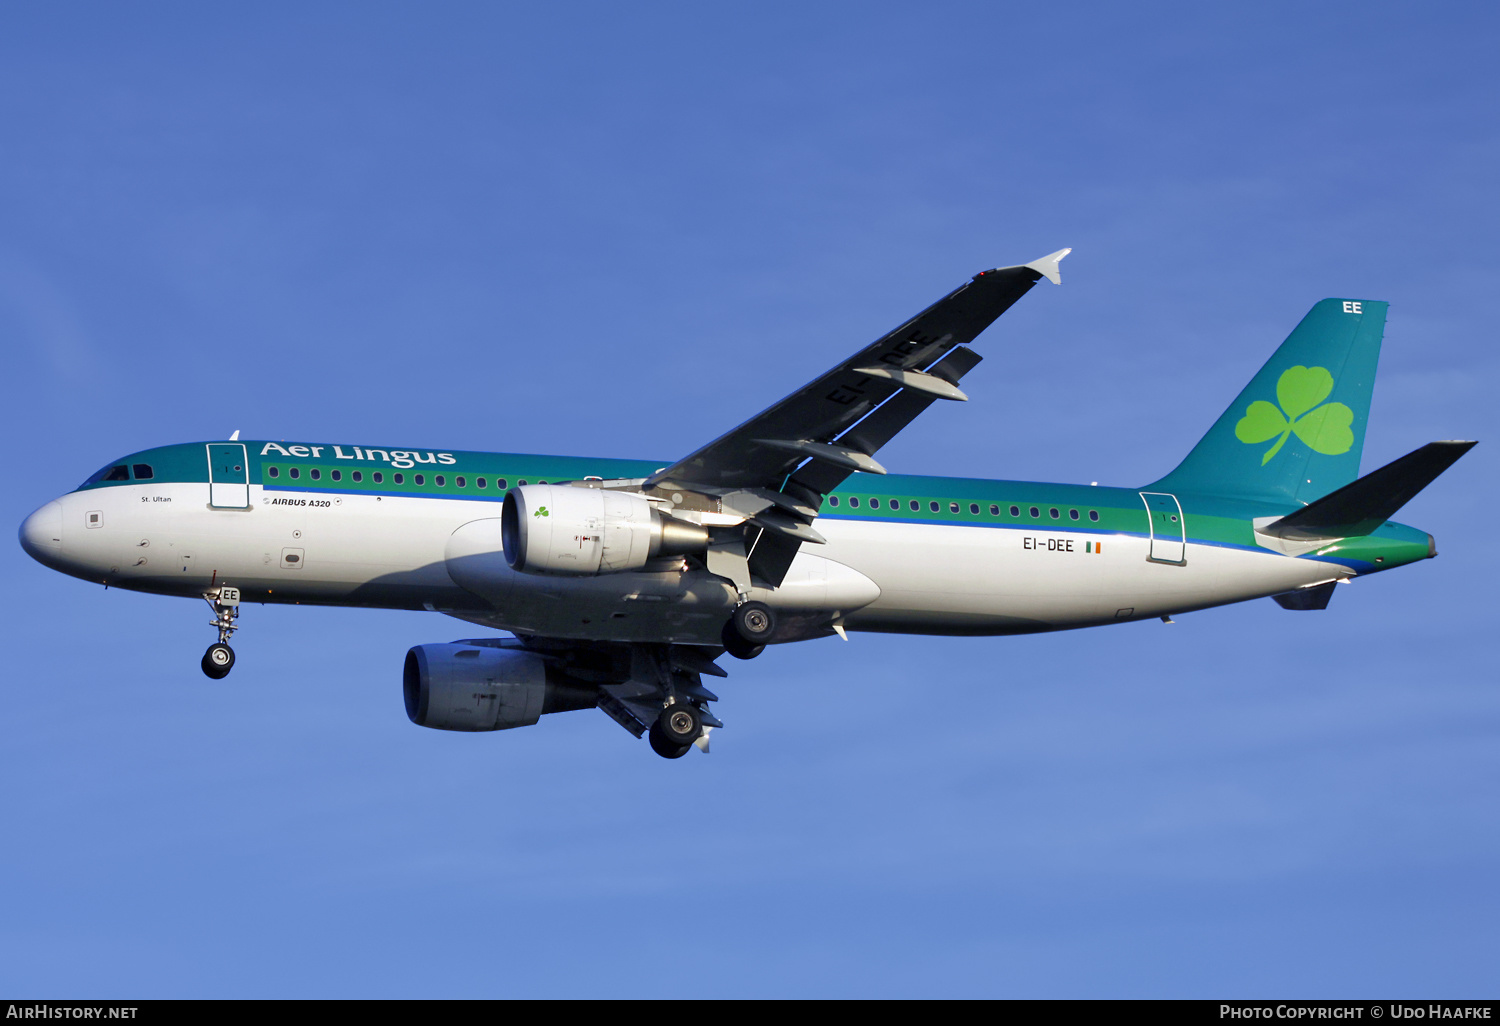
1168	532
228	476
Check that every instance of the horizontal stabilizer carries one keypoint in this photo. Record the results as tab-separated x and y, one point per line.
1362	506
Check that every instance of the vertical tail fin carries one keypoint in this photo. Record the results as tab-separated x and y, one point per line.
1297	430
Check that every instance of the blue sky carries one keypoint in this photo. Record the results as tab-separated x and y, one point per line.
601	230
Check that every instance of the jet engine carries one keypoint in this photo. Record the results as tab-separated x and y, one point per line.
559	529
485	685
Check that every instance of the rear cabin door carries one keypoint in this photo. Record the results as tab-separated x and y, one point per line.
1168	532
228	476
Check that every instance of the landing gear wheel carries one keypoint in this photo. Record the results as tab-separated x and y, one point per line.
664	748
753	622
675	730
218	661
738	646
680	723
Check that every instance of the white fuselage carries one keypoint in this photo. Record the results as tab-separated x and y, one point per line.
445	554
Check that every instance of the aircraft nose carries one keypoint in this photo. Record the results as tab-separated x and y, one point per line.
41	533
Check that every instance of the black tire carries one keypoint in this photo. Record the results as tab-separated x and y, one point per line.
680	724
218	661
754	622
664	748
738	646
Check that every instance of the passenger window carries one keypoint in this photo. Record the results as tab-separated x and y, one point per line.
522	482
1035	512
357	476
336	475
974	508
457	480
479	482
1015	511
833	500
401	478
294	473
316	473
143	472
273	471
1053	512
934	507
379	477
1094	515
419	479
854	501
916	506
118	473
500	483
895	504
952	507
1072	514
439	480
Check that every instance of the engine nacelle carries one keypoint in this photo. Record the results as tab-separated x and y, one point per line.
484	686
558	529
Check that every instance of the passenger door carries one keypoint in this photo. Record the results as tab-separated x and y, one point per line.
1168	531
228	476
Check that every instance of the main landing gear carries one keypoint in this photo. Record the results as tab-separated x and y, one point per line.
225	602
750	626
675	730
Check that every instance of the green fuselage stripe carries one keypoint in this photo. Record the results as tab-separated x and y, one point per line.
1210	520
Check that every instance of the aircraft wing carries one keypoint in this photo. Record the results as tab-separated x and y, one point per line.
776	467
810	423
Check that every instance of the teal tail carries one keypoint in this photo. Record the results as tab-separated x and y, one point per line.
1297	430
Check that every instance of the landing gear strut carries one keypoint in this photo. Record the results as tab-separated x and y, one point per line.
225	602
750	626
675	730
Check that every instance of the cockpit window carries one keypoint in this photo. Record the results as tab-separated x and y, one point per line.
113	472
143	471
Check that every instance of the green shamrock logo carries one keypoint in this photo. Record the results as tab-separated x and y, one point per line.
1325	428
541	511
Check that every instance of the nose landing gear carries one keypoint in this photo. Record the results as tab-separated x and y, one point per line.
218	661
225	602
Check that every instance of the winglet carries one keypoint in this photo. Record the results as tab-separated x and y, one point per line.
1047	266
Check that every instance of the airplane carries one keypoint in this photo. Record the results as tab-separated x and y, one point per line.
621	582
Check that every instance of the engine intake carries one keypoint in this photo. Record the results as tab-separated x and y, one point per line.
484	686
558	529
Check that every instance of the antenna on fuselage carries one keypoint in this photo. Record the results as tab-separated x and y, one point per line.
236	436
